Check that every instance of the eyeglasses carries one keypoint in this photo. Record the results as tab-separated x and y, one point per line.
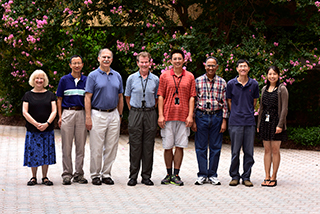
211	66
243	66
76	63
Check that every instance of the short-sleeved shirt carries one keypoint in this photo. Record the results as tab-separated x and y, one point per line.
242	98
167	88
72	91
105	88
213	91
39	107
135	86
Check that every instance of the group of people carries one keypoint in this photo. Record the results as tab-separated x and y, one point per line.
95	103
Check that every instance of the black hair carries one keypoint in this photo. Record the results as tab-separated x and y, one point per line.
243	61
176	51
212	57
76	56
276	69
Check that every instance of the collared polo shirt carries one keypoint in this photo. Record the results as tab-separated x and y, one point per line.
186	90
242	98
105	88
212	91
134	89
72	93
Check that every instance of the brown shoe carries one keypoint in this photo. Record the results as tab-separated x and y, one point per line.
247	183
234	182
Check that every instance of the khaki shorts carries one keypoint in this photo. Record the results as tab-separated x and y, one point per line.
175	133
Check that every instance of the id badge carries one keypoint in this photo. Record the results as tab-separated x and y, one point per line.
143	103
267	118
176	101
208	106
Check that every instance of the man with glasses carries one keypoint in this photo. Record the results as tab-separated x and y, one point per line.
175	105
71	112
210	121
104	106
141	98
242	95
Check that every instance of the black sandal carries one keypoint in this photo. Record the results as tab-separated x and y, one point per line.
272	185
32	182
47	182
265	182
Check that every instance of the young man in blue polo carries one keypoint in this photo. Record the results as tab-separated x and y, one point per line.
242	95
71	112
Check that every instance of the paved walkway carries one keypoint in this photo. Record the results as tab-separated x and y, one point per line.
298	189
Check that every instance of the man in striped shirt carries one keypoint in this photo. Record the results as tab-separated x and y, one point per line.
71	112
210	121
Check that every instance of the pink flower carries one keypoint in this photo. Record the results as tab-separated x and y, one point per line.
275	44
55	72
253	36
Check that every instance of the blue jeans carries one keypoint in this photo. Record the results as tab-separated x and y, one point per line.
208	128
241	136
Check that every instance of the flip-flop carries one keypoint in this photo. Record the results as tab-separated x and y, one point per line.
272	185
264	184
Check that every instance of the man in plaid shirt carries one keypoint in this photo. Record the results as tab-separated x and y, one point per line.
211	111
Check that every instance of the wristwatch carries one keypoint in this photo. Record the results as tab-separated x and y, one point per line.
121	115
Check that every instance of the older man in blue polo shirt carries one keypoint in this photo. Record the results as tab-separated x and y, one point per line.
242	95
104	106
141	96
71	112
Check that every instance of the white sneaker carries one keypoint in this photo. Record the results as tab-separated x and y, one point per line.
200	180
214	181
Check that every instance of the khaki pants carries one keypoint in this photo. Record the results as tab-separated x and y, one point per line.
104	137
73	127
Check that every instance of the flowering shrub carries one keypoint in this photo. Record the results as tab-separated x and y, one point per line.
44	35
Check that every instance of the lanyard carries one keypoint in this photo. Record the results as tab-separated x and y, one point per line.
144	88
175	85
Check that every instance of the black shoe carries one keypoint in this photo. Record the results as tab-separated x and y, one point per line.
32	182
96	181
132	182
108	181
147	182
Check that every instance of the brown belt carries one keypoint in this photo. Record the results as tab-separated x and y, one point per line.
104	110
77	108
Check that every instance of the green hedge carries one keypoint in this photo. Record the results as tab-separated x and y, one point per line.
309	136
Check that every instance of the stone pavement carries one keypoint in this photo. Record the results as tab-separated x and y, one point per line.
298	189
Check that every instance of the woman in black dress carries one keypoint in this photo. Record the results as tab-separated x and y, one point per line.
39	109
272	126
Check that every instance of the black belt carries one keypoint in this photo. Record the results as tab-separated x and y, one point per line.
210	112
104	110
77	108
143	109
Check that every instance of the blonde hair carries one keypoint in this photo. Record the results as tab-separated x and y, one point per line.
35	74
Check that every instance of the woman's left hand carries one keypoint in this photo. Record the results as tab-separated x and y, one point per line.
278	130
42	126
